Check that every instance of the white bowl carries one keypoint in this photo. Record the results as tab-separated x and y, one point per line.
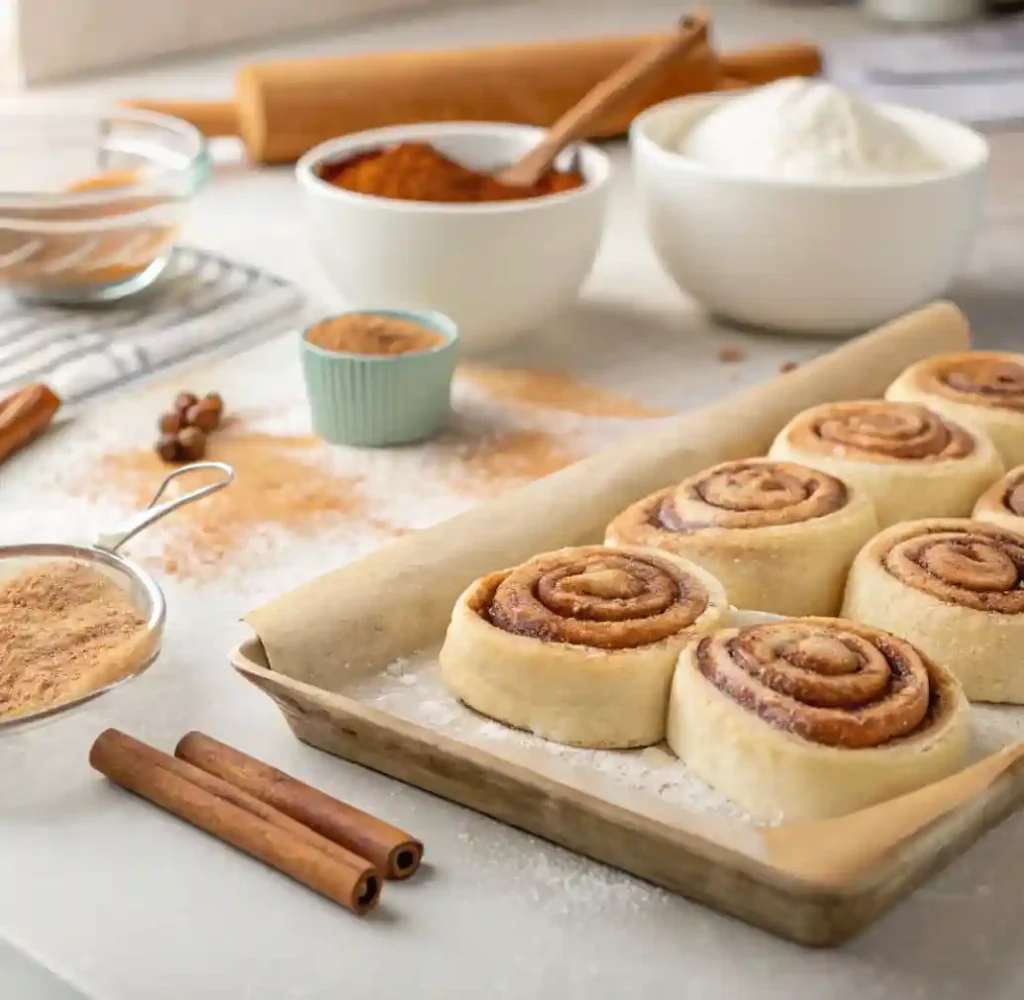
830	257
496	269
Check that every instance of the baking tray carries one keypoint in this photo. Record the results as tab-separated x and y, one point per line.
353	678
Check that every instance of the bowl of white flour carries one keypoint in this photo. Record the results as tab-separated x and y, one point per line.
797	207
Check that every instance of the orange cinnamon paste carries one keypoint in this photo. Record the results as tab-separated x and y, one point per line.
367	333
415	171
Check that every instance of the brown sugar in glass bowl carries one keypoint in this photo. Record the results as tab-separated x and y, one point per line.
373	334
416	171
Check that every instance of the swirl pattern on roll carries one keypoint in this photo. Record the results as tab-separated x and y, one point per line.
749	494
828	681
1013	495
983	379
598	597
880	431
978	566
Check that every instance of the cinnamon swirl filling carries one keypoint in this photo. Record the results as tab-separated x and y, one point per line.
749	494
979	567
994	380
1013	497
593	596
881	431
827	681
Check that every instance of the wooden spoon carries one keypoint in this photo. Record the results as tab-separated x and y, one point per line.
832	851
575	123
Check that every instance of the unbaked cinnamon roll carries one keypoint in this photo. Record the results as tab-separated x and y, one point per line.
814	717
911	462
984	389
779	536
1003	502
955	588
579	645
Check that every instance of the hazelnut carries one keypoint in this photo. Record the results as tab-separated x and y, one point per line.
201	415
171	423
184	400
167	447
191	444
213	401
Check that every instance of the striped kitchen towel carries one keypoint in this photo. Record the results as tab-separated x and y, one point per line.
203	304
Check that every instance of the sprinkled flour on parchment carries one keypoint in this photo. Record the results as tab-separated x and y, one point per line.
411	688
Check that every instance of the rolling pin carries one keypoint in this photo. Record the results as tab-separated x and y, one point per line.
282	109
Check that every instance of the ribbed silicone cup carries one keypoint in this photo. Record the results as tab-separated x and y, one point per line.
376	400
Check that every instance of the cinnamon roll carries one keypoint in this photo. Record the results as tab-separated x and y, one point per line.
955	588
814	717
1003	502
579	645
911	462
983	389
779	536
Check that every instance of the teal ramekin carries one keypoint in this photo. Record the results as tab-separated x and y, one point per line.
373	400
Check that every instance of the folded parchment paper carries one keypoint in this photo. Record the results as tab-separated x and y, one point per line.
398	599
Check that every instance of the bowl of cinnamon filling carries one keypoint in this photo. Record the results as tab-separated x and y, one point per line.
412	216
379	377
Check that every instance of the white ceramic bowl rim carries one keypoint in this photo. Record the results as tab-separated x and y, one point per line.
968	137
597	167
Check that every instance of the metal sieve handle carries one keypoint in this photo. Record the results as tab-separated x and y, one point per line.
113	540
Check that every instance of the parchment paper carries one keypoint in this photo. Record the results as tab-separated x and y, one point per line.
398	599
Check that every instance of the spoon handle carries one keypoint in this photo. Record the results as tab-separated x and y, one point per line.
576	121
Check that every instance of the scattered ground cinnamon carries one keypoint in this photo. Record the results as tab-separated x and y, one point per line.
278	481
554	390
497	462
416	171
66	630
368	333
288	482
730	354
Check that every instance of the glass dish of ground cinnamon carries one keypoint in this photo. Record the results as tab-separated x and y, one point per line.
416	171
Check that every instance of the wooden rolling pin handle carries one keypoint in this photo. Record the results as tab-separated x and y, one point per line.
771	62
212	118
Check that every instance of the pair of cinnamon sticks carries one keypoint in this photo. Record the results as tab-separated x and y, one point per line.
328	846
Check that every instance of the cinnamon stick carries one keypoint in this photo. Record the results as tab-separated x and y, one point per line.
239	819
392	850
24	414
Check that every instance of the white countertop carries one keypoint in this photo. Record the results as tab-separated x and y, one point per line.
125	902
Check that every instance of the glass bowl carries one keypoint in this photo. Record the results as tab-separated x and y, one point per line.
91	203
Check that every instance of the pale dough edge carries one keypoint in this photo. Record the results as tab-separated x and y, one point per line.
794	569
578	695
1004	427
909	491
773	775
985	651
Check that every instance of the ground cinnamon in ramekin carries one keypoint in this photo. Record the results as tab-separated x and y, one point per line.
374	334
66	630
